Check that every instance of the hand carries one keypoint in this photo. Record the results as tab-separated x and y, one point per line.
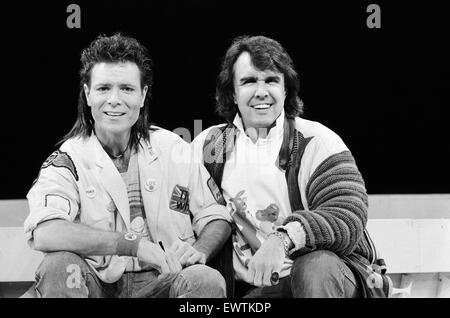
165	262
268	259
186	254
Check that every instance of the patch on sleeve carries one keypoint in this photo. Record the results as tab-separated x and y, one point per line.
179	200
61	159
58	202
217	194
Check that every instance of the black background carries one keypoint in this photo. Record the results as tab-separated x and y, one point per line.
384	91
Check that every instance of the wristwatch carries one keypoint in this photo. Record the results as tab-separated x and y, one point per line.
285	242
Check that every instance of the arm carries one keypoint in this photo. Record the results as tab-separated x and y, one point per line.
212	238
335	221
338	205
210	218
54	204
58	235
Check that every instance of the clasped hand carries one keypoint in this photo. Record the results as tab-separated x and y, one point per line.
171	261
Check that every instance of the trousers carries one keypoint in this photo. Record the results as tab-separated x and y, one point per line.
319	274
66	274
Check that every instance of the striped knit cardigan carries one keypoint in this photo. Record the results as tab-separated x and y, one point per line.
335	193
337	212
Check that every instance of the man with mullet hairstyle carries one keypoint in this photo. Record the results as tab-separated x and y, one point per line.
120	209
291	185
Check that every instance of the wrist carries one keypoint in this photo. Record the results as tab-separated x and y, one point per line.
290	243
128	244
285	242
296	233
200	249
203	257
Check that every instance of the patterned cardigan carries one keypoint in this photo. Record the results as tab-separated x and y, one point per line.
326	190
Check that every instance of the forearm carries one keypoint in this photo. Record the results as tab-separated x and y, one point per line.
212	238
62	235
338	202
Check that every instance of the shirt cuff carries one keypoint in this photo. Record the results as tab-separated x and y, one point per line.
215	212
296	233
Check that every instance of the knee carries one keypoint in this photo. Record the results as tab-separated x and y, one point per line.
206	277
60	262
313	273
61	274
315	265
206	280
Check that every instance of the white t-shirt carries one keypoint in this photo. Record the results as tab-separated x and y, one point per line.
254	187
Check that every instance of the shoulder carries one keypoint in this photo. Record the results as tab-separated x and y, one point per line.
168	144
160	137
200	139
320	136
72	144
78	146
62	162
72	149
84	151
323	144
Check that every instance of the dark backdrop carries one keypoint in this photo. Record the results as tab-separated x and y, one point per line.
384	91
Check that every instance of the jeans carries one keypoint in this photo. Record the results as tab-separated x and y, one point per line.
65	274
319	274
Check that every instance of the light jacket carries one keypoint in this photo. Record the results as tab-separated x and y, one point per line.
331	209
80	183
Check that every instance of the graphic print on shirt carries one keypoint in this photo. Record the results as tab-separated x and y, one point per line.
269	218
250	235
137	222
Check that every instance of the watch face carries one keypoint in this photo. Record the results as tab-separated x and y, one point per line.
130	236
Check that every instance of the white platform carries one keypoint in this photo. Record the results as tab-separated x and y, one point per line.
412	232
413	246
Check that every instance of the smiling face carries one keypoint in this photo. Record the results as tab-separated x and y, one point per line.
259	94
115	97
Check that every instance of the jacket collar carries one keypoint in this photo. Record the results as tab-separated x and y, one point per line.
287	147
110	177
99	156
150	153
275	131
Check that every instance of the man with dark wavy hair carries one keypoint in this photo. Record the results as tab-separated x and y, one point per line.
114	49
265	54
120	209
291	185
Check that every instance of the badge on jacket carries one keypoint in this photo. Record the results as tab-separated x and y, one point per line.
217	194
61	159
179	200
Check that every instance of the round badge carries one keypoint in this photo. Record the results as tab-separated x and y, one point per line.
111	207
137	225
91	192
130	236
150	185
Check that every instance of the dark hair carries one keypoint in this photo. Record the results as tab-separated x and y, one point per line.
114	49
265	53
